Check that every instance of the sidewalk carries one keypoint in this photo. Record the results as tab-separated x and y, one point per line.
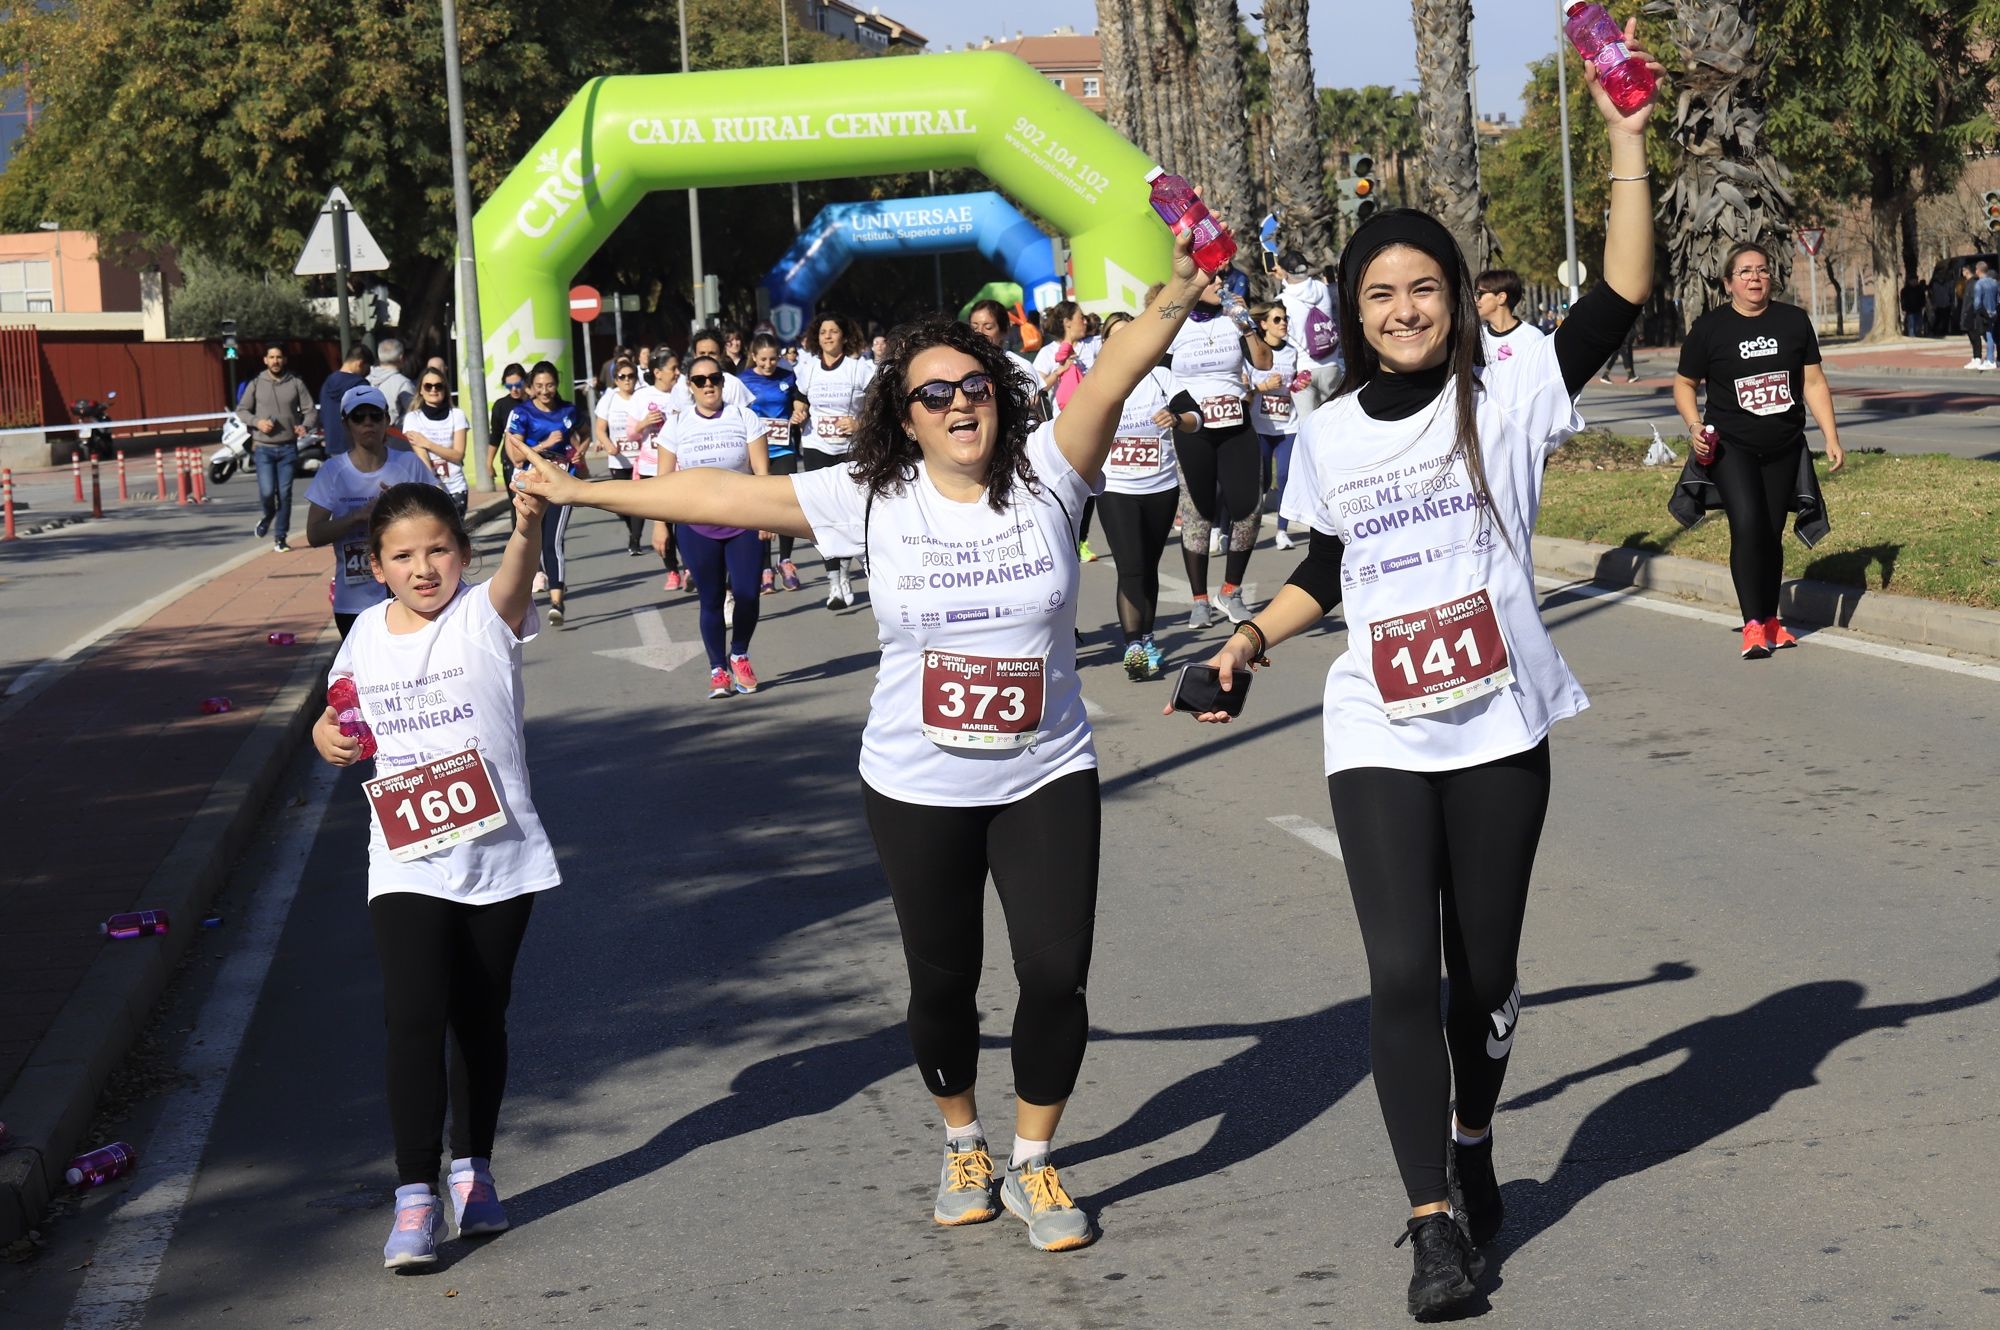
121	795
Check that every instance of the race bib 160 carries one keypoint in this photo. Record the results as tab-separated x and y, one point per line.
439	804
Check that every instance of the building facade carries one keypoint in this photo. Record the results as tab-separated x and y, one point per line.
869	28
1073	62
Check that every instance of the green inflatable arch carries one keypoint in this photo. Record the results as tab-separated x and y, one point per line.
621	138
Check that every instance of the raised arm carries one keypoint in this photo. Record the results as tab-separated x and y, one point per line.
705	494
513	587
1085	428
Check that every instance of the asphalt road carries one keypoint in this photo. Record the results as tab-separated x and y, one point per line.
1754	1083
1896	412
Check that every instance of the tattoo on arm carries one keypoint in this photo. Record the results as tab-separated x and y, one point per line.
1171	310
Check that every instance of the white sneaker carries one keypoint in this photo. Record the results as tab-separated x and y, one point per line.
1987	364
841	591
1285	541
1218	541
1974	363
541	583
729	609
1203	614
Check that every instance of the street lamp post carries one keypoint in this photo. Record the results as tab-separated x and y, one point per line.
694	197
62	287
785	53
1569	185
472	341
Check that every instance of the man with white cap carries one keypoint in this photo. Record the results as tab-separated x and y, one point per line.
342	498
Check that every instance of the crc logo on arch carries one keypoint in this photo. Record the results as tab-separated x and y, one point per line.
563	179
1753	347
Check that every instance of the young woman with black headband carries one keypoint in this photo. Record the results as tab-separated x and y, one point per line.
1420	483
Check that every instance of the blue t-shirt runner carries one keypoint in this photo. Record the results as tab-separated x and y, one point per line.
535	425
771	398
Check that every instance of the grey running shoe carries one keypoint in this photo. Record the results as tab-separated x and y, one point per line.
1034	1195
1203	614
965	1185
1232	606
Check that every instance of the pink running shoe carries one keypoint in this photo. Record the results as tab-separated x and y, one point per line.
673	582
746	678
719	684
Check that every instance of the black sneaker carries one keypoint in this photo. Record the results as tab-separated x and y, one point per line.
1474	1191
1446	1263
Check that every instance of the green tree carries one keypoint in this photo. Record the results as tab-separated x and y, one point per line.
1884	100
217	126
263	305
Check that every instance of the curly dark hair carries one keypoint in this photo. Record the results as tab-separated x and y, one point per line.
883	457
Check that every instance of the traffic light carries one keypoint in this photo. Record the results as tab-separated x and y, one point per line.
1992	201
228	330
1359	193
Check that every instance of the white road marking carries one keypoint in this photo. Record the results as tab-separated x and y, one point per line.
126	1264
657	649
1839	641
1312	833
1094	711
48	671
1179	590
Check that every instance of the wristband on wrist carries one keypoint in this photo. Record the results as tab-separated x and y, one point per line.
1646	176
1258	656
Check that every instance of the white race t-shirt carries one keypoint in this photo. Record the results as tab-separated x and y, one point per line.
442	432
1271	412
340	487
618	412
646	461
721	440
831	393
1142	453
454	685
1306	294
1418	555
1501	348
1208	362
953	586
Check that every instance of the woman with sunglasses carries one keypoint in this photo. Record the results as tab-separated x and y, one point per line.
977	756
833	381
437	431
513	392
723	559
1209	357
547	426
624	415
1271	413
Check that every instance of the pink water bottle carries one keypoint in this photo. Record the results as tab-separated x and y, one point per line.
139	923
1599	39
102	1165
1181	208
343	697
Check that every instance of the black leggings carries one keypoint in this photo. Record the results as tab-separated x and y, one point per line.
1756	494
1226	459
1413	839
634	526
812	459
1137	526
555	527
445	965
787	465
1042	850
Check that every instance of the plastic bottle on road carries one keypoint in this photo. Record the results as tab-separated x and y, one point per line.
1181	208
345	699
1599	39
104	1164
138	923
216	706
283	639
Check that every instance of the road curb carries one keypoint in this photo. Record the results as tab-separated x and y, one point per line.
1906	620
49	1107
52	1100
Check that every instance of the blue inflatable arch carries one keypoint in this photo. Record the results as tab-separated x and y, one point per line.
892	228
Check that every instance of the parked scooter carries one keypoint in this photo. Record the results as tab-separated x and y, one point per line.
95	443
234	454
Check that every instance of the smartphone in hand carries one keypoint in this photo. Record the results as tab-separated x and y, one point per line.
1199	689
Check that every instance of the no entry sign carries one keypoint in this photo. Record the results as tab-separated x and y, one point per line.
585	303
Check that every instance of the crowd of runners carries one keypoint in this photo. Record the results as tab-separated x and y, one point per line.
1398	420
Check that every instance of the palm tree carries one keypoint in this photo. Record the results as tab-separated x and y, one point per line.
1730	188
1298	179
1118	39
1444	101
1225	151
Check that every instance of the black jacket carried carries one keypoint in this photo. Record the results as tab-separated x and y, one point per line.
1697	495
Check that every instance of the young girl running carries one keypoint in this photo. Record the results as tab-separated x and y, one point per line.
456	852
1438	714
775	397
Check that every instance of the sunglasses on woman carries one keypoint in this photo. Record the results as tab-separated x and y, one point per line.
705	380
624	375
433	387
938	395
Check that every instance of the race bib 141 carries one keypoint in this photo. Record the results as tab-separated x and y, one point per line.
1439	658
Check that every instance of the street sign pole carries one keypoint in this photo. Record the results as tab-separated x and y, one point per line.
340	261
472	338
1812	273
1569	183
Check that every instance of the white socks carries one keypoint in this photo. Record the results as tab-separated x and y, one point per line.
1458	1134
952	1133
1025	1149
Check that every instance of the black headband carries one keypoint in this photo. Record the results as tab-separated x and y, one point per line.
1401	226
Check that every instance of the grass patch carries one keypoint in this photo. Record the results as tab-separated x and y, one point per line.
1915	525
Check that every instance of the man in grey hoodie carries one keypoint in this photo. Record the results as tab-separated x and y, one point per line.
278	410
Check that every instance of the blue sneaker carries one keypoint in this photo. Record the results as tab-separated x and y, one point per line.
475	1200
414	1239
1156	661
1135	662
